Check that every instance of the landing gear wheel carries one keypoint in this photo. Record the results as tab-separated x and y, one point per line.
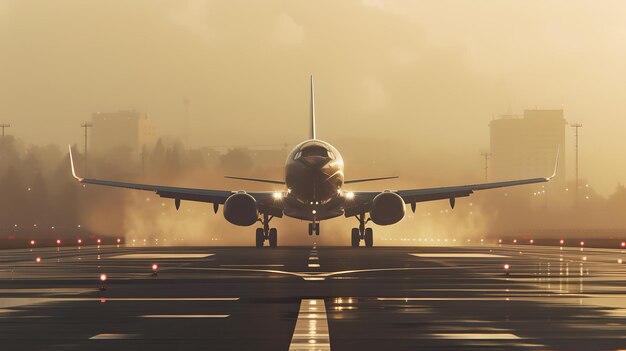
260	237
356	237
310	229
317	228
273	237
369	237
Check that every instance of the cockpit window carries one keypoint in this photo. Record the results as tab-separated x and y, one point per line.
314	150
331	155
297	156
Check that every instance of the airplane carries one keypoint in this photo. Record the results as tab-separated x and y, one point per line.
313	192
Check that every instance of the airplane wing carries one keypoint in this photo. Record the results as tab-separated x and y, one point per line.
362	200
216	197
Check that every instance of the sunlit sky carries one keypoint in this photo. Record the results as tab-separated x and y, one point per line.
429	73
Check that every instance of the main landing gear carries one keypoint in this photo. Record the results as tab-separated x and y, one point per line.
266	233
362	233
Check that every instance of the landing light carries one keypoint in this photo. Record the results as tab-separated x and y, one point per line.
277	195
349	195
314	212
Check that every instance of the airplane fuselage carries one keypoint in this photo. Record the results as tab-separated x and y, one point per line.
314	179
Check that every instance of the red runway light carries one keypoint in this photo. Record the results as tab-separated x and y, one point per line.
32	242
58	242
98	241
103	277
582	243
532	241
506	267
562	241
80	241
119	241
38	259
155	267
623	243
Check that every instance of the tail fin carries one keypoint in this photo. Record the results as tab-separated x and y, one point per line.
313	135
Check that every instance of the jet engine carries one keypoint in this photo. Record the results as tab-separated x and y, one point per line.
241	209
387	208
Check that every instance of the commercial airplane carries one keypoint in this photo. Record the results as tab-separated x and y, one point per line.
313	191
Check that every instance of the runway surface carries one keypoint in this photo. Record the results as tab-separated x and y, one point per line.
313	298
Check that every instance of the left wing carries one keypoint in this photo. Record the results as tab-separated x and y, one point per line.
362	200
216	197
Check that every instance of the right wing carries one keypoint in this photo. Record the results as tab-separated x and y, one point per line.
216	197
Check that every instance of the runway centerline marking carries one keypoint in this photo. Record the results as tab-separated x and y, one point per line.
456	255
311	331
314	265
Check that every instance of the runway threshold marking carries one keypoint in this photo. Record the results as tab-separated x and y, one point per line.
311	331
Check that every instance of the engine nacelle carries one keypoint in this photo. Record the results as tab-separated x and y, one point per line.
387	208
241	209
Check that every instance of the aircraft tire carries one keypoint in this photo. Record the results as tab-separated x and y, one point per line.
273	237
355	237
369	237
259	237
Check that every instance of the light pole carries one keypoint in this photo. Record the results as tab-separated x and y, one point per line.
86	126
486	155
576	126
4	125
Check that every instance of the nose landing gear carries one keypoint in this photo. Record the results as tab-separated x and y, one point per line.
314	228
362	233
266	233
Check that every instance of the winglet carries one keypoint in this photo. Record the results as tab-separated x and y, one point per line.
72	164
556	162
313	134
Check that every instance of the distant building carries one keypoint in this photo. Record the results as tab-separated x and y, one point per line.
526	147
129	129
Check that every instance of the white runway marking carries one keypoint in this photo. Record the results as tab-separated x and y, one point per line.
157	255
313	258
311	332
456	255
314	265
113	336
252	265
477	336
185	316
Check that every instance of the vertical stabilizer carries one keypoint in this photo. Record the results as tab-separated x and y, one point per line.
313	134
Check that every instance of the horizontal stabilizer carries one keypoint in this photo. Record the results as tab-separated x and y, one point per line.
367	179
257	180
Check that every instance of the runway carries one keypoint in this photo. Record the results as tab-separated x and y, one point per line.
313	298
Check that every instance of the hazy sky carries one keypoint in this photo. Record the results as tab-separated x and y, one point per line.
428	73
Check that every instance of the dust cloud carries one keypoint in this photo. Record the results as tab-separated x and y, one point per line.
403	88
